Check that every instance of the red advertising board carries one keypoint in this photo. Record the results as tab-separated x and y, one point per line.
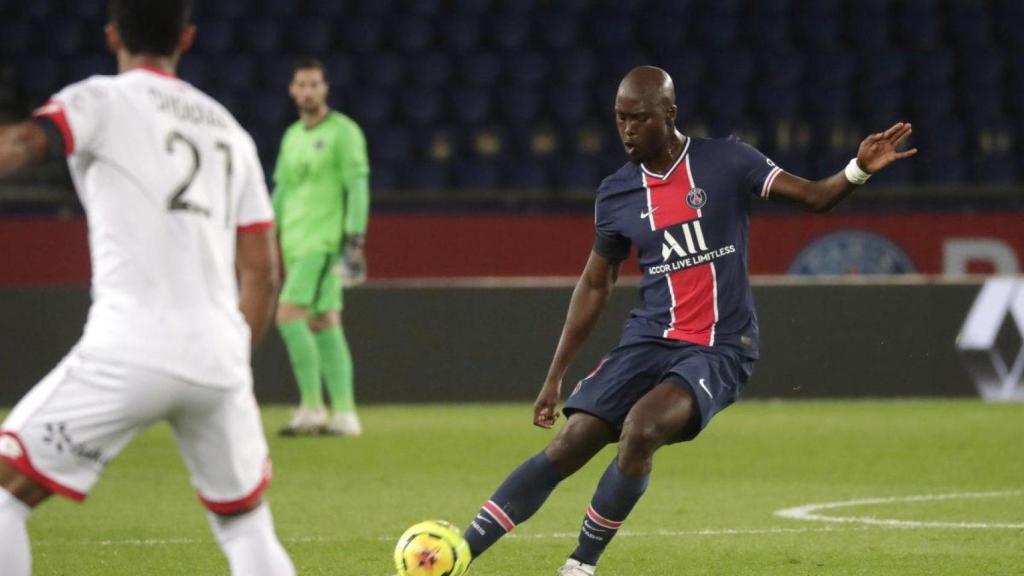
55	251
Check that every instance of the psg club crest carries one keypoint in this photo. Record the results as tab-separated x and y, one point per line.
696	198
855	252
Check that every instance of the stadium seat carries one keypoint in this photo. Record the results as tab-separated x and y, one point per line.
86	66
734	66
369	105
477	175
39	8
868	29
195	70
509	32
340	70
560	30
461	33
981	104
726	105
421	107
569	104
362	34
424	176
261	36
274	8
412	33
390	143
89	9
439	145
515	7
525	174
479	69
769	29
384	69
384	175
432	69
215	36
276	72
311	36
520	104
576	66
526	68
236	72
422	7
328	8
40	78
940	171
16	38
919	23
717	30
970	27
470	7
817	24
271	109
668	41
470	106
577	173
611	32
678	9
833	66
231	9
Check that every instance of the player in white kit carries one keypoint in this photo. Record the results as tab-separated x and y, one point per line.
184	278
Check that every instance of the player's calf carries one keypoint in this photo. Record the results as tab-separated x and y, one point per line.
248	540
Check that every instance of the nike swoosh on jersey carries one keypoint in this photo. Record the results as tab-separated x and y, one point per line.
647	214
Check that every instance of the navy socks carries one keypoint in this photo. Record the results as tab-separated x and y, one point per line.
615	497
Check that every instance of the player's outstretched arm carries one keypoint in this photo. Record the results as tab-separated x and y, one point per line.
875	153
20	145
257	264
588	301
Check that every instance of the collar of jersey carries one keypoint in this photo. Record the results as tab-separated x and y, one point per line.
156	70
665	176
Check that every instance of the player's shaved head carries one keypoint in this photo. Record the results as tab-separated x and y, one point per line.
650	85
645	114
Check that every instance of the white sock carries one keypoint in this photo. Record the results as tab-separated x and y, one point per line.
250	544
15	554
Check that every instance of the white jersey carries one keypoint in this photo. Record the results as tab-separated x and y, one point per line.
167	178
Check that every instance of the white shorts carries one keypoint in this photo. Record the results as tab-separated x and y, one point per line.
66	430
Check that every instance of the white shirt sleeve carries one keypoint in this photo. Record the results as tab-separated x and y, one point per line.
79	112
255	212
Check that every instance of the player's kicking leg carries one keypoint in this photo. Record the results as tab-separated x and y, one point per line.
529	485
19	494
665	414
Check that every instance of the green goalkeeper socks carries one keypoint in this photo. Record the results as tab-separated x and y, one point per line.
336	365
302	350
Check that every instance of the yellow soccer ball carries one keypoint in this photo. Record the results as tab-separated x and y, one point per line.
432	548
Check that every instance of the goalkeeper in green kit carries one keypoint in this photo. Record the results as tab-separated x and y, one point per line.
321	202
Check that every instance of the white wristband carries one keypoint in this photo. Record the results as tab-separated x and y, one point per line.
854	173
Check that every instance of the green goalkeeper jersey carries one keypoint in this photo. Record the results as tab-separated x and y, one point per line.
321	191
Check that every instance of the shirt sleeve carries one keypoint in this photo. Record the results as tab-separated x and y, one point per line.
757	171
79	112
608	241
352	150
255	213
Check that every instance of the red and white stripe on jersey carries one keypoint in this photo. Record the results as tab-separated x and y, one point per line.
54	112
766	189
255	227
243	503
693	291
495	511
601	520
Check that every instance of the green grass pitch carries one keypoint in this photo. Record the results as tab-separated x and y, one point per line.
339	504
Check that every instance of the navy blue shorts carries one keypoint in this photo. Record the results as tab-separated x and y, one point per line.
715	377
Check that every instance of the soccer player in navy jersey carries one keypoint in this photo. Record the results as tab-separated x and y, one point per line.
688	350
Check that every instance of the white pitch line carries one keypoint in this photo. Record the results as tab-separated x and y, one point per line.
809	512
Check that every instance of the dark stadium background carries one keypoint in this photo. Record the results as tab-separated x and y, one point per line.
489	125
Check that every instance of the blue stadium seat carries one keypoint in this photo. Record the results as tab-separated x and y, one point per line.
827	102
678	9
898	174
560	30
1008	20
883	68
231	9
40	78
89	9
577	173
340	70
718	30
421	107
526	68
524	174
919	23
377	9
591	138
39	8
470	106
383	69
477	174
994	170
311	36
425	176
519	105
940	171
929	101
274	8
390	143
195	70
942	137
733	66
488	142
616	63
982	66
509	32
85	66
64	37
235	72
576	66
869	28
369	106
970	27
385	174
412	34
569	104
470	7
611	32
769	29
994	159
215	36
479	69
276	72
364	34
879	106
271	109
261	36
422	7
817	24
687	67
726	105
668	40
931	67
432	69
329	8
461	33
516	7
832	66
982	104
440	145
16	38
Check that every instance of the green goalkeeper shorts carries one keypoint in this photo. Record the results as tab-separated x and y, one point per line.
310	281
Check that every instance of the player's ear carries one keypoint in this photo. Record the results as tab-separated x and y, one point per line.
114	42
670	115
188	37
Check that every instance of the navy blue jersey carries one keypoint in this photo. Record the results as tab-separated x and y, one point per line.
690	227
